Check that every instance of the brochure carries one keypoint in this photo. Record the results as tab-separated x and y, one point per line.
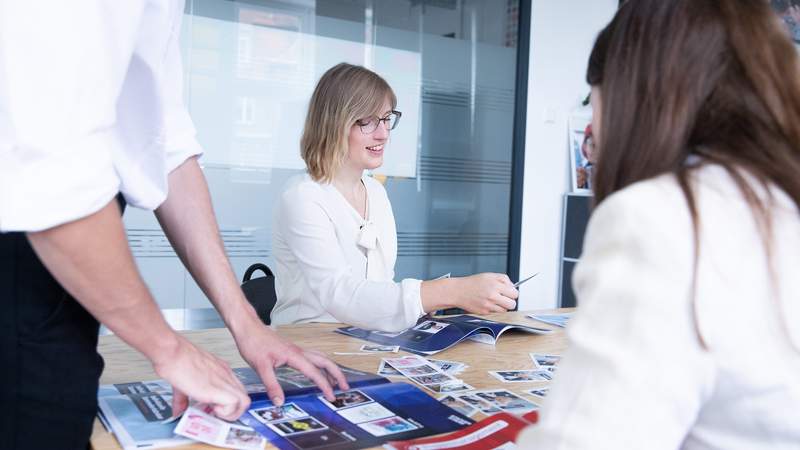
432	335
559	320
138	413
499	431
359	418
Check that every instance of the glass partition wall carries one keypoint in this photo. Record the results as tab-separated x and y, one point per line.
250	67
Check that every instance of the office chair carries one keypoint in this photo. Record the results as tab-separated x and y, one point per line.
260	292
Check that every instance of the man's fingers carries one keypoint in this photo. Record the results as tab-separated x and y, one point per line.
299	362
331	369
179	402
274	390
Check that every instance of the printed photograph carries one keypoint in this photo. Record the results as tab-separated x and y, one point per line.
346	399
297	426
521	376
365	413
436	378
278	413
243	437
539	392
419	370
386	370
374	348
431	326
543	361
458	405
391	425
449	387
483	405
506	400
406	361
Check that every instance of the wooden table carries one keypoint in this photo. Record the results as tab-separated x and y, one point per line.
123	364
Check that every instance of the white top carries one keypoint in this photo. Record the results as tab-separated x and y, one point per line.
333	266
635	375
91	96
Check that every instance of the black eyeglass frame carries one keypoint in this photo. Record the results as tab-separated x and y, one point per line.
378	120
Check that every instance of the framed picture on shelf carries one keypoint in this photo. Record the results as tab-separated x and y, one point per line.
581	150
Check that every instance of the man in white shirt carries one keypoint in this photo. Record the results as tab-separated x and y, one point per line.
90	106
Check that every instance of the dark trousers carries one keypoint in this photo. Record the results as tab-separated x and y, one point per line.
49	365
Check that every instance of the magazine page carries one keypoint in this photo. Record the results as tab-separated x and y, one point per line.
498	431
432	335
137	420
358	418
136	412
293	382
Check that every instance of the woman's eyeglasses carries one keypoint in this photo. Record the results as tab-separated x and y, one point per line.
368	125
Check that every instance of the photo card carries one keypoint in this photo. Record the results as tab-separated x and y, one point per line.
542	361
521	376
346	399
458	405
376	348
389	425
507	400
431	326
278	413
297	426
538	392
365	413
385	369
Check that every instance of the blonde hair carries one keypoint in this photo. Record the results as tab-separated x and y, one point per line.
344	94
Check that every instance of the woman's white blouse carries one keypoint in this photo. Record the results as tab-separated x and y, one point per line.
635	375
333	266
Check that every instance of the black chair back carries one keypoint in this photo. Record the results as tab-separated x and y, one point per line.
260	292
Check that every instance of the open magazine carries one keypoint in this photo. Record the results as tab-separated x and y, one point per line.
430	336
138	413
359	418
499	431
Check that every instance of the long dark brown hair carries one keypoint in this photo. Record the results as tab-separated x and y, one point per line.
719	79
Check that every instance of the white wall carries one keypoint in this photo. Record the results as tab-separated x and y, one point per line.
562	35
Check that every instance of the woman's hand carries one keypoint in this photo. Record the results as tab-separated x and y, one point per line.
483	293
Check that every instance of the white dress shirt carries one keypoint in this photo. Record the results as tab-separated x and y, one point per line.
635	375
334	266
90	105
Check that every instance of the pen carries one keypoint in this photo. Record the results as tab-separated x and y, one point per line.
526	279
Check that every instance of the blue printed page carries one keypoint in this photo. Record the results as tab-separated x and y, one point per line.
432	335
358	418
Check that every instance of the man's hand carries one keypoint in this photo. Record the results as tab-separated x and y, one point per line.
202	376
264	350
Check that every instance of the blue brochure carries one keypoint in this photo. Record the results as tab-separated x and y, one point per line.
432	335
138	412
359	418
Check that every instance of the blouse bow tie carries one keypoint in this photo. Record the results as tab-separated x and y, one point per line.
368	236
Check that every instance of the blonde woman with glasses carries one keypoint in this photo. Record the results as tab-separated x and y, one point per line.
334	237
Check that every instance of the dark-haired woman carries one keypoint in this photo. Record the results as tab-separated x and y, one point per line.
688	329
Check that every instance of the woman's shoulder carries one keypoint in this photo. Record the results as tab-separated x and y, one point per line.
662	196
300	187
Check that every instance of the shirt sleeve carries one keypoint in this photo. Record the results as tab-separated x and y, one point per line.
351	299
180	136
60	75
634	375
